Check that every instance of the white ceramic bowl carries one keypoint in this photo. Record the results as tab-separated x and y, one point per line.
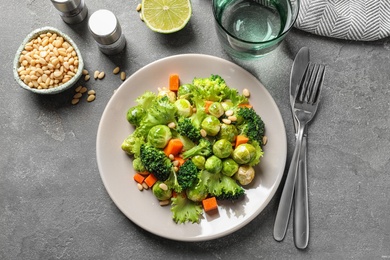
53	90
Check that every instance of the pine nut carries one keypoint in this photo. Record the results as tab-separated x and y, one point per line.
229	112
171	157
145	186
85	72
203	133
75	101
78	88
172	125
246	92
265	140
175	163
139	6
83	90
96	74
91	98
101	75
78	95
226	121
116	70
91	92
123	75
163	186
139	186
164	202
232	118
87	77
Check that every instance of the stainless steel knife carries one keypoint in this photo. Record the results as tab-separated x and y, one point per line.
301	61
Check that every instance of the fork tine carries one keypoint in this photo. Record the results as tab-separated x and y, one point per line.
308	90
317	85
302	88
311	82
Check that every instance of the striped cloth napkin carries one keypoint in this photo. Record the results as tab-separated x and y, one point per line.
362	20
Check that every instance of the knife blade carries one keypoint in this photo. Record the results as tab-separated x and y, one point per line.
300	63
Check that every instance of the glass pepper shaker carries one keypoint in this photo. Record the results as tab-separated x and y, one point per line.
107	32
71	11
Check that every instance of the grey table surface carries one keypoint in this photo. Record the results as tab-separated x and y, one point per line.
52	199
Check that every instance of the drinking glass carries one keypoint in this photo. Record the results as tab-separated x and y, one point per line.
249	29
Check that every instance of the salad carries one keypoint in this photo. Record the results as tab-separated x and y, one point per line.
194	145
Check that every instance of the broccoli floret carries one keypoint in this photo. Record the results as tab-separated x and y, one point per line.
155	161
187	174
250	124
186	128
222	186
185	210
204	148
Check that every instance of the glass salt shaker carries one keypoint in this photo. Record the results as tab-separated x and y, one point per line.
107	32
71	11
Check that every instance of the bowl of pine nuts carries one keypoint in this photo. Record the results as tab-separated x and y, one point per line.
47	62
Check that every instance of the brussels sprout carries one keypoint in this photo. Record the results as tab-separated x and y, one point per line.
228	132
245	174
244	153
216	109
184	107
211	125
227	104
222	148
135	114
159	136
199	161
185	91
229	167
213	164
138	166
161	193
197	193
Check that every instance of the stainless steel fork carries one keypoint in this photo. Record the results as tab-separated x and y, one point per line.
305	107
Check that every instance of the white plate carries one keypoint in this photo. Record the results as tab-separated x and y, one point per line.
142	207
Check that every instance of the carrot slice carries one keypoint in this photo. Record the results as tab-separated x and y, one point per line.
207	104
245	105
150	180
241	139
209	204
174	147
180	160
174	82
139	178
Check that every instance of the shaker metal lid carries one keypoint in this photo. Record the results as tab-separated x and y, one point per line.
66	5
104	27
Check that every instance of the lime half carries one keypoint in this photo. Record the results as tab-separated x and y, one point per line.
166	16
